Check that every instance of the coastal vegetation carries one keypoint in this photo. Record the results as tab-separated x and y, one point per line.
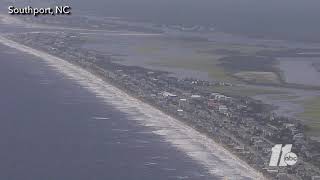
312	115
246	91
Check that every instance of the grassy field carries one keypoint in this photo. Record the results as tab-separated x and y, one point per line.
312	115
189	54
199	62
263	77
202	56
285	97
246	91
209	47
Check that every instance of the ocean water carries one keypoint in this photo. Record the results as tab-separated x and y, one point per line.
52	128
290	67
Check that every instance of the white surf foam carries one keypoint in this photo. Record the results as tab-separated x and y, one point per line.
100	118
200	148
7	19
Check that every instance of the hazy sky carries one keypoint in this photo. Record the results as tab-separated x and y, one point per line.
266	18
294	18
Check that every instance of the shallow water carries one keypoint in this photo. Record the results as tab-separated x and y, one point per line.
300	71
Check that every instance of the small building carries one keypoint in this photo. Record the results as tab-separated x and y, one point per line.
223	109
220	97
213	104
228	98
213	95
298	136
289	125
195	96
167	94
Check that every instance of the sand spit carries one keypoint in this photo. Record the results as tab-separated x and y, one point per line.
200	148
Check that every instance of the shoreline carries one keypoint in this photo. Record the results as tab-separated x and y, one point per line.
195	144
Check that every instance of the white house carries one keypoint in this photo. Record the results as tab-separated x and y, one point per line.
223	109
167	94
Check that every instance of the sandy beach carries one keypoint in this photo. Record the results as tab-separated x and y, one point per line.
204	150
